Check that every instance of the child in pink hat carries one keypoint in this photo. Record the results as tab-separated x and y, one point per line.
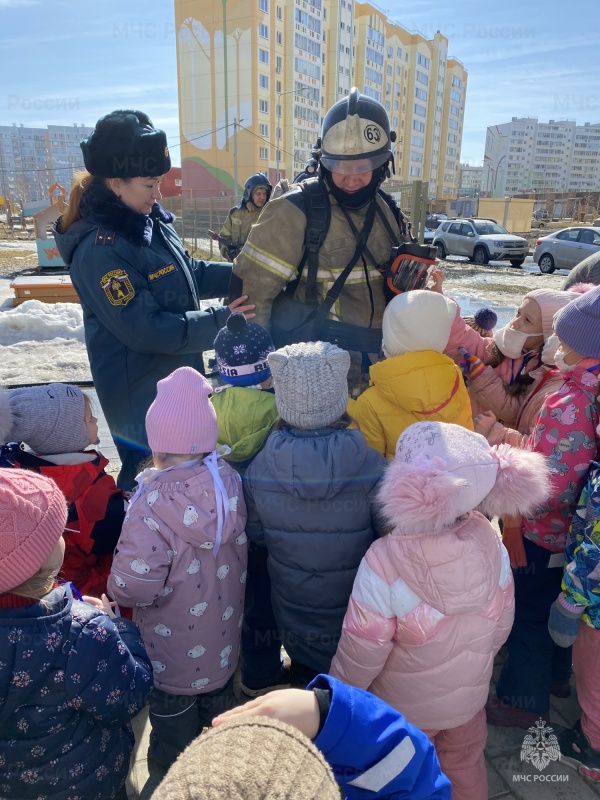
181	565
72	675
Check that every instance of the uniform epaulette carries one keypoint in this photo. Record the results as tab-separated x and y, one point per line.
235	208
105	236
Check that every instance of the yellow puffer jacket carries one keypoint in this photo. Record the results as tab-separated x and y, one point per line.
413	387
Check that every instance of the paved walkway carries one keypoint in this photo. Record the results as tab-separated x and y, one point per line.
509	777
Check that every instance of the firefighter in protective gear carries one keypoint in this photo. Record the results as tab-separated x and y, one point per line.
257	191
355	156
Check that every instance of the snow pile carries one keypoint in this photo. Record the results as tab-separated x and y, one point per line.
33	321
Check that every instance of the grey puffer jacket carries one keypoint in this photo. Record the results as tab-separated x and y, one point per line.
310	499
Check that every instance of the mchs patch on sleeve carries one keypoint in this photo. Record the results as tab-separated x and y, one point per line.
117	287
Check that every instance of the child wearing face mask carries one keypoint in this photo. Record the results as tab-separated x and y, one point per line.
501	369
566	433
57	424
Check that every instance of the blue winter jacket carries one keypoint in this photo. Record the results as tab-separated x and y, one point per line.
373	751
310	497
70	681
140	292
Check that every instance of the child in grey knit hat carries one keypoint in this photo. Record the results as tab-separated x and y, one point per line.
56	422
310	493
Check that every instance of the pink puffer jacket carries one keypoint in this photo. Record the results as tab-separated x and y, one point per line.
462	335
428	613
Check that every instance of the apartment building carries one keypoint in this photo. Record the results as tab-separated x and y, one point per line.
469	182
525	155
256	77
33	159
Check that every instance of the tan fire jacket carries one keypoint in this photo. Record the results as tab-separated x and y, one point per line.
274	249
237	225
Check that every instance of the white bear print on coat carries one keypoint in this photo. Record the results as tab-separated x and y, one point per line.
158	666
227	613
162	630
151	523
152	497
225	653
200	683
193	567
140	566
233	503
197	651
198	609
190	515
243	576
119	581
223	572
242	538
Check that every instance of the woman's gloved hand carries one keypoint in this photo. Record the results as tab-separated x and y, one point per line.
470	365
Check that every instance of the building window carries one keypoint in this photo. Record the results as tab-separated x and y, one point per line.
418	126
264	153
263	81
424	62
422	78
264	5
279	37
263	31
399	53
263	129
420	110
279	13
421	94
263	105
454	110
456	81
263	56
390	51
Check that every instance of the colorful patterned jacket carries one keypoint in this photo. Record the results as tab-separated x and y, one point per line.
581	580
565	432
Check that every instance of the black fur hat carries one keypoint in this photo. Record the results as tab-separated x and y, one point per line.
125	144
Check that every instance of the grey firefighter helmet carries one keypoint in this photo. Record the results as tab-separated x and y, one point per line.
356	129
253	182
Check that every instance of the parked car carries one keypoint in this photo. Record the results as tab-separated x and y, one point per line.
564	249
481	240
433	220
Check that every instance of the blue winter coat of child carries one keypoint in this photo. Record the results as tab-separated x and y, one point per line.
310	499
374	751
70	681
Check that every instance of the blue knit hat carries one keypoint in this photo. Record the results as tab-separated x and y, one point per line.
578	324
241	349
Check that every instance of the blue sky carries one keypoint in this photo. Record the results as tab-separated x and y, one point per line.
66	61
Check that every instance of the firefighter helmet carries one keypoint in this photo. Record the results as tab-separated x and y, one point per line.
356	135
253	182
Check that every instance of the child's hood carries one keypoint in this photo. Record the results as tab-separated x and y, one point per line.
456	571
185	500
318	464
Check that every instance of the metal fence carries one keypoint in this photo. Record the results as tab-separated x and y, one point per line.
195	217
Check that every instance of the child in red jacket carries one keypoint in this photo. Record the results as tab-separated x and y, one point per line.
56	422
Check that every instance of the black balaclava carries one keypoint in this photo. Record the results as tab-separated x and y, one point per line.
356	199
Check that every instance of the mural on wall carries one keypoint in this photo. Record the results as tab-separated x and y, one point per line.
215	76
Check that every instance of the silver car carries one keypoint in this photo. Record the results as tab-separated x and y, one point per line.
481	240
564	249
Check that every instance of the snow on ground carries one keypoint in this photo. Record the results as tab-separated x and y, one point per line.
18	244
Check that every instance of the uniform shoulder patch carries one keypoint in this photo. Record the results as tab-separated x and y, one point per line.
117	287
105	237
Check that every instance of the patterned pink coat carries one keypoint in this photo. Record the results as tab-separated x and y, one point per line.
187	601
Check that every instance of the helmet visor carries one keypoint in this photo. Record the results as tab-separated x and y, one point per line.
356	166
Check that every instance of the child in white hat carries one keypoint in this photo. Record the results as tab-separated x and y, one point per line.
416	381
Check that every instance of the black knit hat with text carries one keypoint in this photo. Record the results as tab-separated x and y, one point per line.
241	349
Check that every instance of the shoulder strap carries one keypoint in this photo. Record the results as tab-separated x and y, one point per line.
318	219
336	289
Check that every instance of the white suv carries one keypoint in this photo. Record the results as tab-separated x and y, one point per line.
481	240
